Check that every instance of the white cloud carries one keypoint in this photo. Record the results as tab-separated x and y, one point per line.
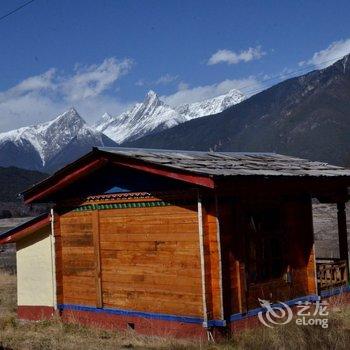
182	86
44	96
185	94
140	82
93	80
166	79
231	57
39	82
328	56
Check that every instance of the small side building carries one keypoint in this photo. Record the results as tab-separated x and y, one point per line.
175	242
35	267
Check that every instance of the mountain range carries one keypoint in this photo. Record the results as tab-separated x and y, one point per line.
306	116
50	145
153	115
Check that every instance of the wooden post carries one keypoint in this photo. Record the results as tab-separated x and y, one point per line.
218	238
239	286
53	258
96	238
202	260
58	259
343	235
312	283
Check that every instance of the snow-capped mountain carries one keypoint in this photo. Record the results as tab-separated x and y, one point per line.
153	115
43	146
306	116
144	118
210	106
50	145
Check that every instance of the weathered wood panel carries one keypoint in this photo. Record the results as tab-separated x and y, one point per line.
150	259
78	258
139	258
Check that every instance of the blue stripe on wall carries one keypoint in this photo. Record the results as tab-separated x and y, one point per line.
254	312
150	315
197	320
335	291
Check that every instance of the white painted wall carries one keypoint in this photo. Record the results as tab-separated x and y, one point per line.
34	269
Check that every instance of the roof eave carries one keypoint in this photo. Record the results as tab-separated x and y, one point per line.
98	158
25	229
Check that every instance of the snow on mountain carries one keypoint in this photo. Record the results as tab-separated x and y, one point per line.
44	141
153	115
210	106
144	118
50	145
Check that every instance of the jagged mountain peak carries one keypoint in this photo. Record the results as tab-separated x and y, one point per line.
153	115
69	118
143	118
71	113
151	95
151	101
45	140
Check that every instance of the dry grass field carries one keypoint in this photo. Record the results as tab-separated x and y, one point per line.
54	334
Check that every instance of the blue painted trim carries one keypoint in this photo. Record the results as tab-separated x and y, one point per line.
197	320
254	312
149	315
216	323
335	291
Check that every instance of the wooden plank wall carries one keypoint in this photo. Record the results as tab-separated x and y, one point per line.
147	258
78	258
150	259
143	259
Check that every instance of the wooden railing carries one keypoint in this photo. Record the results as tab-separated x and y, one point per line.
331	273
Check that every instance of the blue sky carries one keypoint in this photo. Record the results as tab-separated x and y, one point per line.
102	56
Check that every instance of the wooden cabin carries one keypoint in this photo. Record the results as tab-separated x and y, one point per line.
174	242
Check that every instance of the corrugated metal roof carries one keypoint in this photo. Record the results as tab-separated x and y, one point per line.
230	163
